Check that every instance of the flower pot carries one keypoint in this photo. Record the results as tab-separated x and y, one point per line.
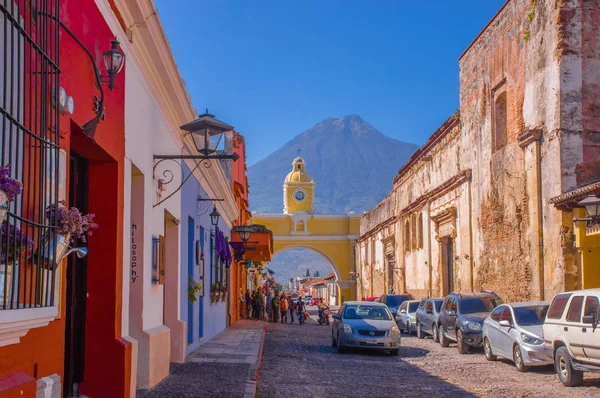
7	273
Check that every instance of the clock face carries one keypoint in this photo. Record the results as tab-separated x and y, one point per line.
299	195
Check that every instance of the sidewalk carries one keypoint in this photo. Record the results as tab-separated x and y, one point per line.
227	365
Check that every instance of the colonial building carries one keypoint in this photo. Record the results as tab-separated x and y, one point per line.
474	207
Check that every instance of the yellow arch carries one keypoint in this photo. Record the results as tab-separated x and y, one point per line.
331	235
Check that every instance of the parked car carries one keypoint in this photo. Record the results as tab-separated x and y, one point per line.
393	301
572	337
306	299
363	324
427	317
374	298
406	316
514	331
462	316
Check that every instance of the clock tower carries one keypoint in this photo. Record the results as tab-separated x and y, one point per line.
298	190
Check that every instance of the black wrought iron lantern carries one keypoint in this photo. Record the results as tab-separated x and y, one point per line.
592	208
114	60
214	217
207	132
244	232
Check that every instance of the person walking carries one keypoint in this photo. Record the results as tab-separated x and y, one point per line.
248	304
260	304
276	307
300	309
283	307
292	310
270	306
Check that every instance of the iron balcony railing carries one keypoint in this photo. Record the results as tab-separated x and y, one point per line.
29	144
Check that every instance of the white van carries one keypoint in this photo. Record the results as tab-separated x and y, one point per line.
572	334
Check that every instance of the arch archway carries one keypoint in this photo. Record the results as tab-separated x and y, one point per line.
323	254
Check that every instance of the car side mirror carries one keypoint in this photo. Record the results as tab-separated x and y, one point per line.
452	313
336	316
403	311
505	324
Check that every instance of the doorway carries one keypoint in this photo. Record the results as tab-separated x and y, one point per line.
76	287
448	265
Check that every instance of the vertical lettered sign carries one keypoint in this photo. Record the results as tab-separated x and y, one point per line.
161	260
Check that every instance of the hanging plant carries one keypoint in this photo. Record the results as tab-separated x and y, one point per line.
70	222
193	289
14	245
9	189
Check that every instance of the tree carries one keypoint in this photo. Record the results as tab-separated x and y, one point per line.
317	273
307	273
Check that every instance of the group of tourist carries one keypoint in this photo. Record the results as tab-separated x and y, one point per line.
272	307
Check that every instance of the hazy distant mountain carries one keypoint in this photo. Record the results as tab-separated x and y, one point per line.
351	162
353	166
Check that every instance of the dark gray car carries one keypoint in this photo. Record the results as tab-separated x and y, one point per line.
427	317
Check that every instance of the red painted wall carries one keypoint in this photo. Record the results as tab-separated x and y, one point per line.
108	358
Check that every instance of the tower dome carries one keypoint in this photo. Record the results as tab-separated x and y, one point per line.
298	173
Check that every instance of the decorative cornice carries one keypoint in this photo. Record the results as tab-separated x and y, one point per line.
377	228
449	184
529	136
569	200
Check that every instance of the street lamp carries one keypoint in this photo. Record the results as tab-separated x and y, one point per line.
114	60
244	232
214	217
592	208
207	134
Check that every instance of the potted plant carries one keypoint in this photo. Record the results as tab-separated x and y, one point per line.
9	189
193	289
14	246
213	292
72	226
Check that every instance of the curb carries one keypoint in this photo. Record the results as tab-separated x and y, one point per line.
252	384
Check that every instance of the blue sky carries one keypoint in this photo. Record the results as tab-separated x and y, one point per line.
273	68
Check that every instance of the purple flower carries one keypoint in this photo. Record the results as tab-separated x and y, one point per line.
71	221
9	185
14	244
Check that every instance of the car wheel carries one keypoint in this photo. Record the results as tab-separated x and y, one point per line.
518	359
340	348
444	342
460	344
395	352
420	332
564	367
487	350
436	337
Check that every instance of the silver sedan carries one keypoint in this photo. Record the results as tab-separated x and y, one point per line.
364	324
514	331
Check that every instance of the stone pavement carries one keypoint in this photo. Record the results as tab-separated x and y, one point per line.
227	365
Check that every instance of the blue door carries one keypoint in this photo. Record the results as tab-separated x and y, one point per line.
205	286
191	261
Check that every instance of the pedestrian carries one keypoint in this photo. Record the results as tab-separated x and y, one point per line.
255	305
292	310
248	304
259	304
242	303
300	308
270	306
276	307
283	307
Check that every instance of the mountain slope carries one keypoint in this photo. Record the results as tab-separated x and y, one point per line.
351	162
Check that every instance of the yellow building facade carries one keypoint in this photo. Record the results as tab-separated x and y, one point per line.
333	236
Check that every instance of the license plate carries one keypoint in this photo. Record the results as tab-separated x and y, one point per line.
371	341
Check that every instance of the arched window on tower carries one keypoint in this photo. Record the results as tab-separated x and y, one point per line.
300	226
407	235
500	122
420	227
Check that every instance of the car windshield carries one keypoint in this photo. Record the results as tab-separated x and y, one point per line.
472	305
438	305
412	307
395	301
375	312
531	316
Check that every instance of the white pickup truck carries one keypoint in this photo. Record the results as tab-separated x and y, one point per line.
572	334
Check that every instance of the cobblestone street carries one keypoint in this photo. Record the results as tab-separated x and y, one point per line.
299	361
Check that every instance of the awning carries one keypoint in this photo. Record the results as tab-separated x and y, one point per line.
569	200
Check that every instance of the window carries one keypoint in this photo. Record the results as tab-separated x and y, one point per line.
438	305
448	305
403	306
420	231
496	314
429	306
407	236
574	313
558	306
531	316
506	315
454	305
500	122
300	226
591	306
413	235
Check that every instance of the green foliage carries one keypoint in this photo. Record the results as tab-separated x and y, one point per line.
193	289
527	35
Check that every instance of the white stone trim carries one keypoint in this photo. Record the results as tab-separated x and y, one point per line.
15	324
270	216
335	216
